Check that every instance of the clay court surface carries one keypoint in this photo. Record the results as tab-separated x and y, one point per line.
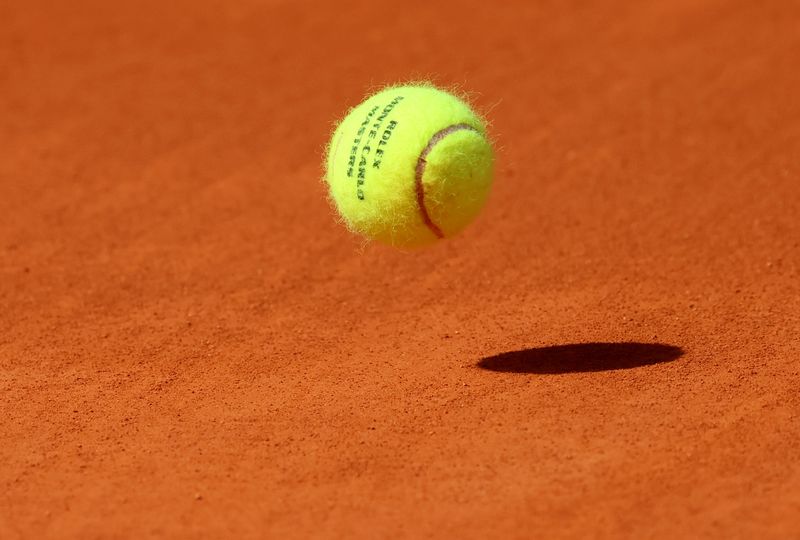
191	345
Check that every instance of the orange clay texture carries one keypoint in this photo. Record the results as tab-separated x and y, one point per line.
191	346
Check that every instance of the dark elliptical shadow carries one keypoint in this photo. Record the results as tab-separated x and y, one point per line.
581	357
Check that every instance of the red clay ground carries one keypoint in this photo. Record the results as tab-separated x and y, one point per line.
191	346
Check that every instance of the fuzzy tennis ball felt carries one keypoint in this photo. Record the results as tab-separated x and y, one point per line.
409	166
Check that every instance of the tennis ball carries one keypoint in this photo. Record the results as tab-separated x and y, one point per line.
409	166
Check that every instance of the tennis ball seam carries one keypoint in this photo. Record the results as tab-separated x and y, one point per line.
419	173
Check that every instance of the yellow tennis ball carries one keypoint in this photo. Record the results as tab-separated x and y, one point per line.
410	165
